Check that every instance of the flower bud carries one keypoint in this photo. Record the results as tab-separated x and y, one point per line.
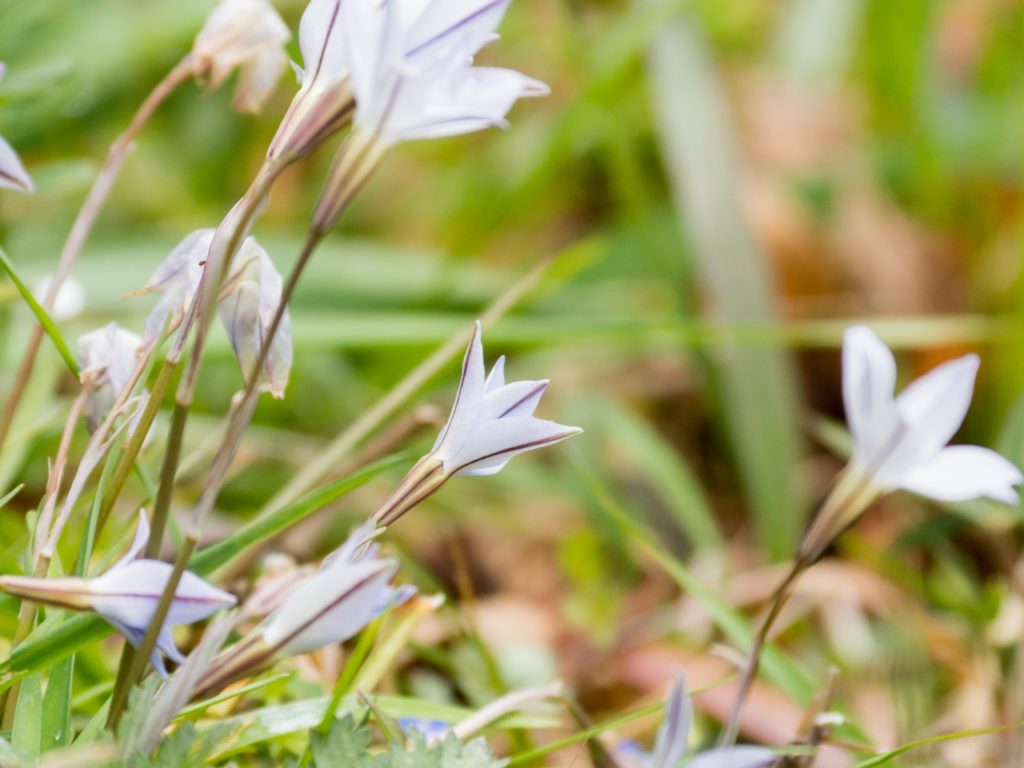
248	303
107	358
70	299
247	35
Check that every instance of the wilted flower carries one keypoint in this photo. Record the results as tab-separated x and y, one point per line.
490	422
900	442
70	299
350	589
324	103
107	358
248	300
12	172
674	733
411	71
247	35
126	596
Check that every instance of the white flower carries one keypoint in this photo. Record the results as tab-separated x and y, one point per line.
12	172
324	103
247	35
127	594
411	70
674	733
490	422
107	358
248	300
248	304
900	442
70	299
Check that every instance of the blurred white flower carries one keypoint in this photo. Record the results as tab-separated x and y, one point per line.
674	734
12	172
70	300
248	300
248	303
411	70
324	103
490	422
126	595
900	442
107	358
247	35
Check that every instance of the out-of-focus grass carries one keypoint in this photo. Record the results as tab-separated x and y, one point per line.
874	168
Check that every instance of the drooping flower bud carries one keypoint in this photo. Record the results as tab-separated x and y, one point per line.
248	303
490	422
126	596
248	300
107	358
12	172
247	35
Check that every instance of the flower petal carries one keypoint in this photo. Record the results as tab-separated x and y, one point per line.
674	731
329	607
933	407
321	40
869	381
734	757
468	399
488	448
139	542
496	378
12	172
520	398
473	23
963	472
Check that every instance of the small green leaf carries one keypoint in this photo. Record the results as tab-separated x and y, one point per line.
344	746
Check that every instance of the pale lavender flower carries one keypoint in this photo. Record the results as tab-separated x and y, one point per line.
126	596
673	735
432	730
12	172
247	35
490	422
107	358
248	300
351	588
900	441
411	70
70	299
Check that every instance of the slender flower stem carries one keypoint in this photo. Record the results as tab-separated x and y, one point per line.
850	496
84	221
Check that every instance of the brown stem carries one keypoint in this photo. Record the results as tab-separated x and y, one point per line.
84	222
778	600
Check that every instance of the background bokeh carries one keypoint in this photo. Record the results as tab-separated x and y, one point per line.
723	186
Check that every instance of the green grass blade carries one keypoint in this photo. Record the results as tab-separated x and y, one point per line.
27	732
41	314
756	394
263	528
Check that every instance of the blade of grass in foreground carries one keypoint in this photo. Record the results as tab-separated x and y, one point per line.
41	314
49	643
756	395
